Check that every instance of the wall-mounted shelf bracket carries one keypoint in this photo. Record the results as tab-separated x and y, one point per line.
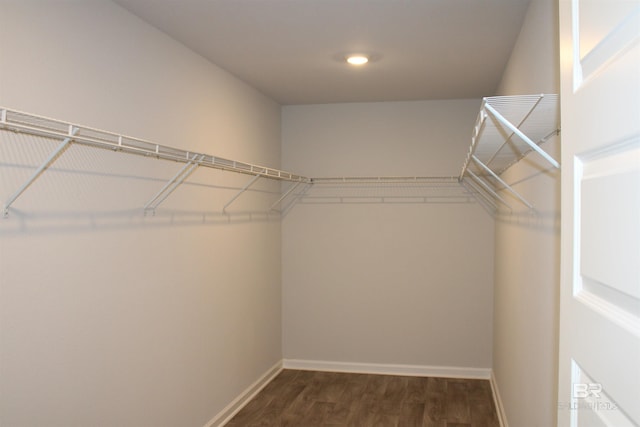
469	184
501	181
173	183
44	166
488	188
284	196
239	193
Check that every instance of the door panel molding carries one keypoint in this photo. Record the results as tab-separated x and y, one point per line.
596	45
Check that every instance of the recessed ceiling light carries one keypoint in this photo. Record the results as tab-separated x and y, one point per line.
357	59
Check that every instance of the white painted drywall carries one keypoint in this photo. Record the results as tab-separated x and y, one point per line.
108	317
387	281
527	246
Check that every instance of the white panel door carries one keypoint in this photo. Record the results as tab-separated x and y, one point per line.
599	364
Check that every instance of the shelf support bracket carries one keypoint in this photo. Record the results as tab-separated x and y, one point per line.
44	166
506	186
284	196
488	188
245	188
470	184
520	134
173	183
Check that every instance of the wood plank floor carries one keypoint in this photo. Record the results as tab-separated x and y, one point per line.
309	399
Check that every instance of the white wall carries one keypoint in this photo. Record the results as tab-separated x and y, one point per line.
527	246
108	317
393	281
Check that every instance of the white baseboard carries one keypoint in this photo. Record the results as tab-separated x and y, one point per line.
249	393
502	416
388	369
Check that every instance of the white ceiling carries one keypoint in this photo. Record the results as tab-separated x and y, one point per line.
291	50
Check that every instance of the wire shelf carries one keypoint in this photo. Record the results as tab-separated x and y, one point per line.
496	145
506	130
56	129
68	133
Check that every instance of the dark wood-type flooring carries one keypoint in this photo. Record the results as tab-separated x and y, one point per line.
308	399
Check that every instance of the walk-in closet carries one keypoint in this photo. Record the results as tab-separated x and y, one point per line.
211	216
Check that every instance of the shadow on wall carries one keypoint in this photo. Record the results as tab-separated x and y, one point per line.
535	220
379	193
89	189
540	185
20	222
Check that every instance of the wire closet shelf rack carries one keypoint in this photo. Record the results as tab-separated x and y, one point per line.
507	129
68	133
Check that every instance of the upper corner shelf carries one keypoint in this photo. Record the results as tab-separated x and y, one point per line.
506	130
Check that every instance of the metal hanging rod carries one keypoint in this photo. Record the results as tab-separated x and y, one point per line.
386	180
